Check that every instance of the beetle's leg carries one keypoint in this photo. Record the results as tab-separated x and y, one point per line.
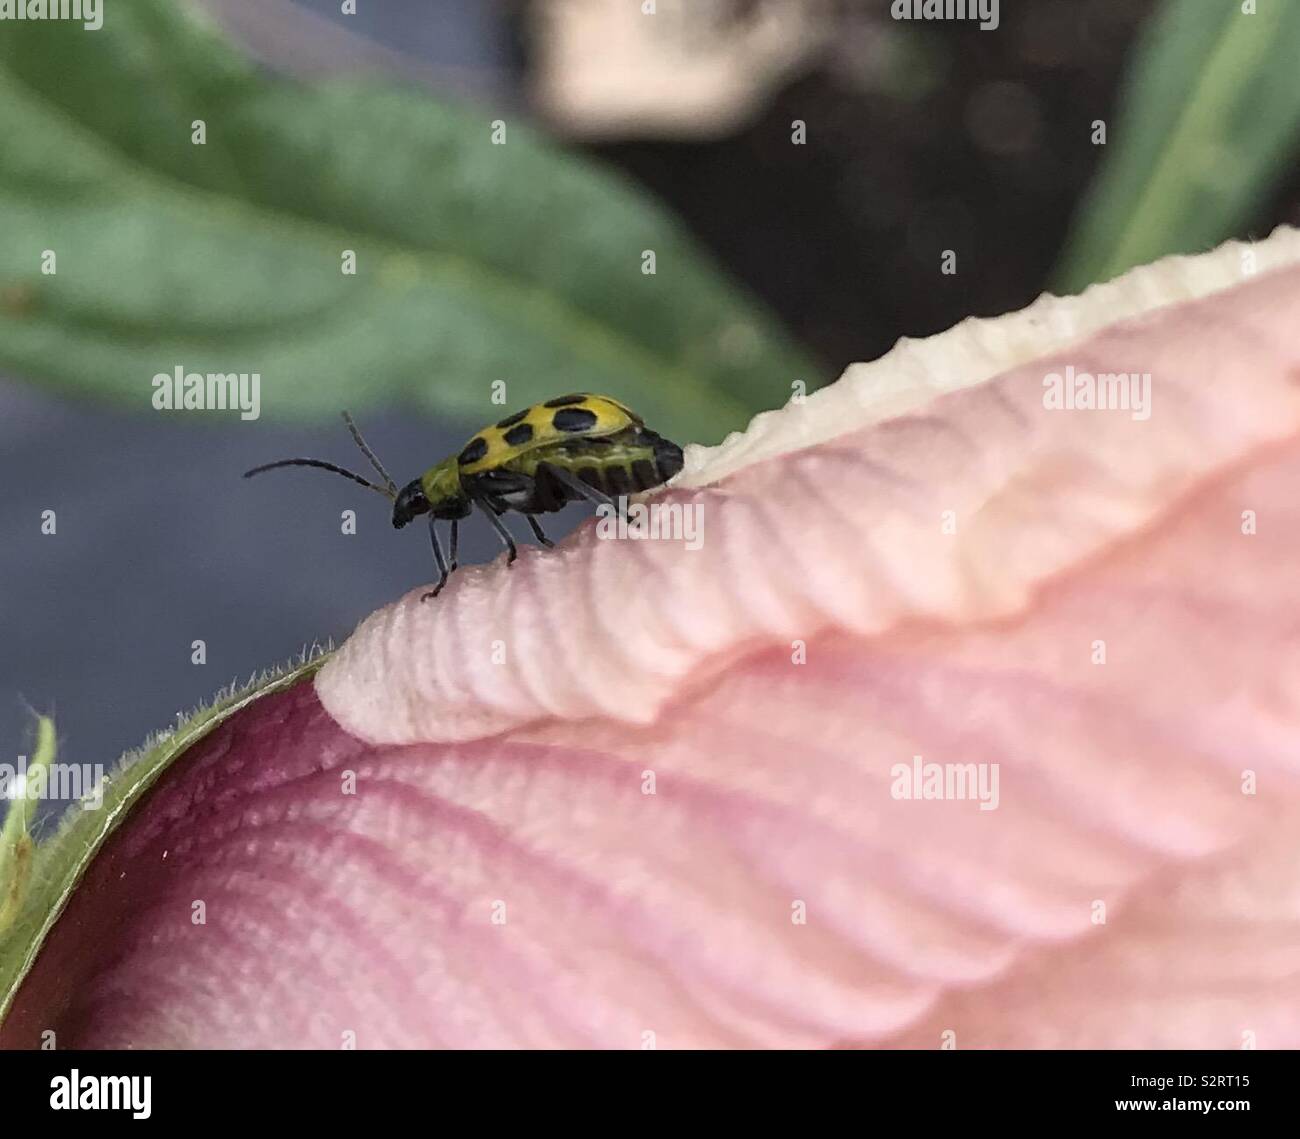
437	557
537	530
455	543
590	493
502	532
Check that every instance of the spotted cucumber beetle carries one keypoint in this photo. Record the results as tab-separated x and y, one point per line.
565	450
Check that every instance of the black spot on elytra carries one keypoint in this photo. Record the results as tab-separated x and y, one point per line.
475	449
518	436
511	420
574	419
564	400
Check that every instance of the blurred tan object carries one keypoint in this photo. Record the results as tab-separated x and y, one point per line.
608	69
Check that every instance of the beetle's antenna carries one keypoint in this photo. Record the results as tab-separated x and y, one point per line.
387	492
369	454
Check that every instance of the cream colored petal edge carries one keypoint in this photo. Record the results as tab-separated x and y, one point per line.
979	348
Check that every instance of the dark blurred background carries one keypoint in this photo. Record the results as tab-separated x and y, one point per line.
919	138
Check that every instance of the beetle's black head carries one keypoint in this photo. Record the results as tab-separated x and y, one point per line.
409	502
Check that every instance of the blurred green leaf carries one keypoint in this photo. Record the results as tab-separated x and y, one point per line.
476	262
1209	118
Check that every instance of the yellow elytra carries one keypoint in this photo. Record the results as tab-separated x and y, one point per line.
542	424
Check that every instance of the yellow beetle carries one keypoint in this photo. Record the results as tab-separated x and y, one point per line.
569	448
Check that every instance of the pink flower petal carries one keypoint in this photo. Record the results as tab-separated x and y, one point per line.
503	877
